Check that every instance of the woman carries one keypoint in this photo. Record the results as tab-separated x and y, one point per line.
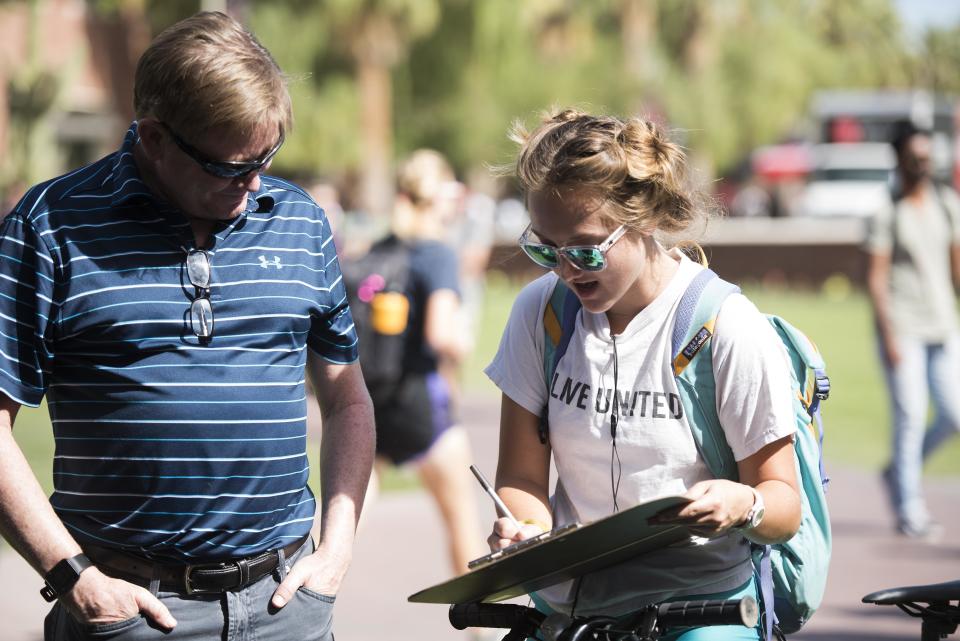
415	419
601	192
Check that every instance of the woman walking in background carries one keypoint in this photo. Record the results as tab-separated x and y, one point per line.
414	293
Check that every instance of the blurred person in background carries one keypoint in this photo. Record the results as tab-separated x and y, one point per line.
168	302
414	410
327	197
471	234
913	247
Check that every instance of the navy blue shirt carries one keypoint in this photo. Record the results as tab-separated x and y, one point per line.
166	444
433	266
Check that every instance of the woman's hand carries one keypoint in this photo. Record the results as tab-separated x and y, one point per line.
716	506
505	533
523	476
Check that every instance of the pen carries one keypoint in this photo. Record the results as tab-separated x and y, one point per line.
496	499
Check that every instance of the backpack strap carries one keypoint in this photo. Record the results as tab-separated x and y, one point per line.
559	321
692	330
398	265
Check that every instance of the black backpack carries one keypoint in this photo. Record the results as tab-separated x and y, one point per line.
377	293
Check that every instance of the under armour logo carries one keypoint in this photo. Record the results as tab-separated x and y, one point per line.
266	263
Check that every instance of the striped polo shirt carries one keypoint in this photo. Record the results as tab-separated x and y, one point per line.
167	444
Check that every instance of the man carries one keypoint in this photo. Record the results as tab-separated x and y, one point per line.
167	301
914	250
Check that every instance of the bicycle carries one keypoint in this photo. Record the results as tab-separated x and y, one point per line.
938	605
647	624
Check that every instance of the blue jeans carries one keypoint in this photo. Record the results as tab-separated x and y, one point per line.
927	371
244	615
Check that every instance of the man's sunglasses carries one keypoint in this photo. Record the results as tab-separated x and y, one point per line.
223	168
590	258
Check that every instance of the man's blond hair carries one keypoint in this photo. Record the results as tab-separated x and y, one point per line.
209	72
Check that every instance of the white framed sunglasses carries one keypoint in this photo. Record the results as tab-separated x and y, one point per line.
589	258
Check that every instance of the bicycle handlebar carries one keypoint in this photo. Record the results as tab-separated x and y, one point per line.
695	613
492	615
677	614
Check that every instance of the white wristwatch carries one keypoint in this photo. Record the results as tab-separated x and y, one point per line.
755	515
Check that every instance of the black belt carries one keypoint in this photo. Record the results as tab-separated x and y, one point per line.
193	578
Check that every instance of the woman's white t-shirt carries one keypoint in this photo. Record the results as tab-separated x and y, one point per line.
655	444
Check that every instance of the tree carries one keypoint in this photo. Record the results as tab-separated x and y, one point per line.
32	91
119	31
496	61
453	74
864	40
938	62
376	36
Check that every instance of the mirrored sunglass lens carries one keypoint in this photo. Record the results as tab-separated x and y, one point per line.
198	269
201	317
541	255
588	259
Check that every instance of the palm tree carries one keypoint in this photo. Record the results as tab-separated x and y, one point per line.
378	34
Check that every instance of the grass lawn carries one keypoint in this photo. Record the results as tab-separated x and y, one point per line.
857	414
837	320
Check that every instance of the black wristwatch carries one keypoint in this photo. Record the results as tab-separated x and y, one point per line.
62	577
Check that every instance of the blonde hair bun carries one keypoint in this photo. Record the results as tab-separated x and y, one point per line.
630	163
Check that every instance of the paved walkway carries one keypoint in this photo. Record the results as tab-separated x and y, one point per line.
401	550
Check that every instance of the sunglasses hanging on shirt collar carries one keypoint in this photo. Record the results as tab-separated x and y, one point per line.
201	309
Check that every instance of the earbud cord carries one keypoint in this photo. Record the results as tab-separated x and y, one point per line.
614	420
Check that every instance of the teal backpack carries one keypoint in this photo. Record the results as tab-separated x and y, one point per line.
793	575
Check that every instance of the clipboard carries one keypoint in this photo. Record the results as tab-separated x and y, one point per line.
567	555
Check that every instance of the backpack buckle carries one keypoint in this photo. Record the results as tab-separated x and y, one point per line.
821	385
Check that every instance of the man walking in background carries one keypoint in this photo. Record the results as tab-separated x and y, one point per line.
168	302
914	250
